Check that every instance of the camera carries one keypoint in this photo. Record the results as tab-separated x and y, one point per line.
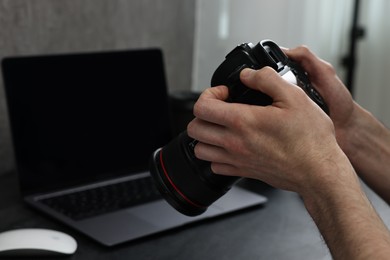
188	183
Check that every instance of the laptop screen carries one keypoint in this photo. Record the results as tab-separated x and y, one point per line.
81	117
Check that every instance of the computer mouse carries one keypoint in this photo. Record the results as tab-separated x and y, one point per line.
36	242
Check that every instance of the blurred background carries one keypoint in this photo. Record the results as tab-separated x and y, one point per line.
195	36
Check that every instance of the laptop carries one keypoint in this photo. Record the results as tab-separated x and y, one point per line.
84	126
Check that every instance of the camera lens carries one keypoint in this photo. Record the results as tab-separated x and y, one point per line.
186	182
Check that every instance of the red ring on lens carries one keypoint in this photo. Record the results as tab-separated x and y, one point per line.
174	186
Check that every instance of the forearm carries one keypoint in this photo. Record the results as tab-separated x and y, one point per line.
348	223
366	141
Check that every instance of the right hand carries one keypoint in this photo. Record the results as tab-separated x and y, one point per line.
342	108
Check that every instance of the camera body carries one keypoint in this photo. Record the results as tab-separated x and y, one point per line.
186	182
264	53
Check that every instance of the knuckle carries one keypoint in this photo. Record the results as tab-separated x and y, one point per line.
265	73
190	128
328	68
199	106
304	49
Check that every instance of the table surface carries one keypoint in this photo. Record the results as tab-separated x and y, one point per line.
281	229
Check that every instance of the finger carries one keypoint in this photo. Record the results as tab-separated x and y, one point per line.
310	62
217	92
210	153
225	169
301	54
219	158
206	132
211	106
267	81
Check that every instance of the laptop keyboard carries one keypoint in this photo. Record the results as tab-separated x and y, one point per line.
104	199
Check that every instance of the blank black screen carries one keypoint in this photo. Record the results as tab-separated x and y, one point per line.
87	116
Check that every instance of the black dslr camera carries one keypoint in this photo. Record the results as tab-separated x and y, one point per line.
188	183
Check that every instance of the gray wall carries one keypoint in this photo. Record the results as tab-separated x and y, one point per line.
59	26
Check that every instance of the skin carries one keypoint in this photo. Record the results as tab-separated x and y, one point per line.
362	137
293	145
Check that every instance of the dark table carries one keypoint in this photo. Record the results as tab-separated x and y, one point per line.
281	229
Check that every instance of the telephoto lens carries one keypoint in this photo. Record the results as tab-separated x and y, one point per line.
188	183
185	181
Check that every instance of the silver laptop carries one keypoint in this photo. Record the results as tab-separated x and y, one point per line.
84	126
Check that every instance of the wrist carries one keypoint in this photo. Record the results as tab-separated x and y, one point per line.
351	133
366	142
328	182
364	139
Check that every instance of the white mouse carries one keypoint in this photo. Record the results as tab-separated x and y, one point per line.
36	242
